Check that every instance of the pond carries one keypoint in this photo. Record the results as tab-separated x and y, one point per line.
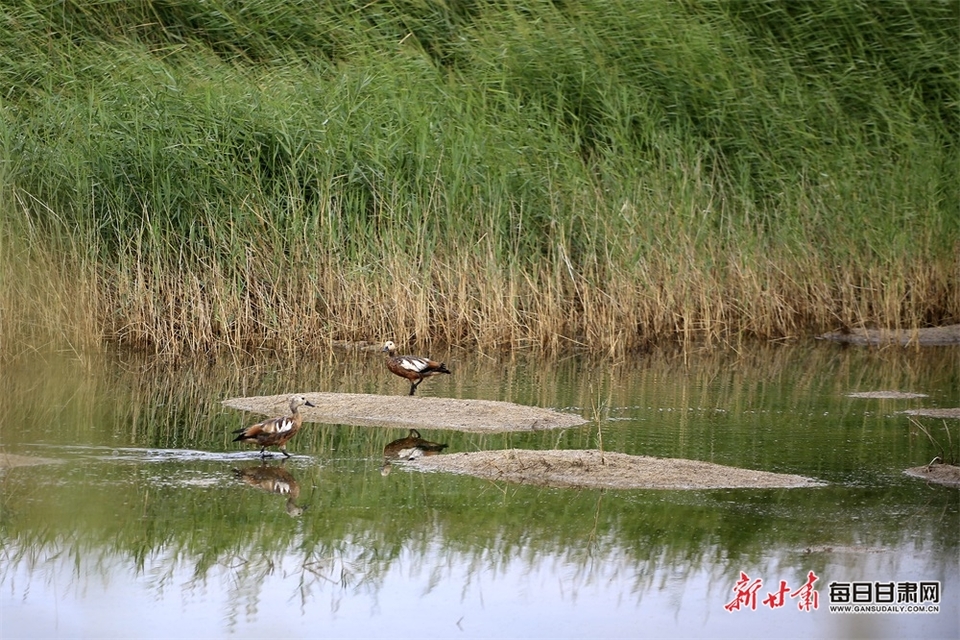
146	520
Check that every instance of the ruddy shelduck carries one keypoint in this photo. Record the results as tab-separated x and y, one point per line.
413	368
275	432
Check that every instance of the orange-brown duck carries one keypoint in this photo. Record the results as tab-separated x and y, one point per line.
413	446
275	432
413	368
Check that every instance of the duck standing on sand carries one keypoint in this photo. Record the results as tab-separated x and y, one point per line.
275	432
413	368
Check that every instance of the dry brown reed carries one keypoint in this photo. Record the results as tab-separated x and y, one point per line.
463	300
50	298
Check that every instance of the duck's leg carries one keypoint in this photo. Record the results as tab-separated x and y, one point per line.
263	452
413	386
283	450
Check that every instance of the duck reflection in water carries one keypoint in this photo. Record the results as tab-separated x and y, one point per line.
409	448
273	480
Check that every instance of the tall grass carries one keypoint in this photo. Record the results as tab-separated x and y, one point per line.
185	176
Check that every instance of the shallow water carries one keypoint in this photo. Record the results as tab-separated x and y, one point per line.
142	527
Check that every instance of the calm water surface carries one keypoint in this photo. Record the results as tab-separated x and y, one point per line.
143	526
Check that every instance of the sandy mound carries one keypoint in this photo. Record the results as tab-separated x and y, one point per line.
366	410
950	412
887	395
596	470
947	474
933	336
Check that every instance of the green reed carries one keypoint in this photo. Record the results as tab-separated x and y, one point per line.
278	175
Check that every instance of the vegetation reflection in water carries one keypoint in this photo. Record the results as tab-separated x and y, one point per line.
146	478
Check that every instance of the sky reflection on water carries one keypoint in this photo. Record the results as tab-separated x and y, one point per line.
432	595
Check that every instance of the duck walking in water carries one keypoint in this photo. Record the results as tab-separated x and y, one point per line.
275	432
413	368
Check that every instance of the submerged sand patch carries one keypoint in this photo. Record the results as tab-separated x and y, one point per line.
594	469
10	460
369	410
887	395
947	412
946	474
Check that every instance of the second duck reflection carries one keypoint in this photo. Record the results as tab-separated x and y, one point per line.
276	479
409	448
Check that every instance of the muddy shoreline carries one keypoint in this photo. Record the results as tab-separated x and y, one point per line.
925	337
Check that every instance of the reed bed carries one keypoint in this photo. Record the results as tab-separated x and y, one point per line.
197	178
